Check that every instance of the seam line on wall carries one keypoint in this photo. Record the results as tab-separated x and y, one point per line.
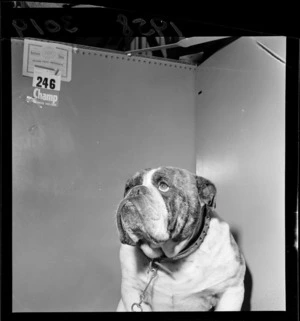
118	56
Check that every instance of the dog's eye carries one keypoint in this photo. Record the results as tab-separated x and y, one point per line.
163	187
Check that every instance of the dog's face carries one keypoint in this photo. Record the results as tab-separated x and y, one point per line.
161	209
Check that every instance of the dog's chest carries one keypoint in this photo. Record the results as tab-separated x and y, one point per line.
184	289
194	283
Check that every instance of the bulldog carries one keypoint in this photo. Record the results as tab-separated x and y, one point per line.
176	254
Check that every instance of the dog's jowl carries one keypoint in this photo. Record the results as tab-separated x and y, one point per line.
176	254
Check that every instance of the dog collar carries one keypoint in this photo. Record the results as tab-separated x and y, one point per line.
195	244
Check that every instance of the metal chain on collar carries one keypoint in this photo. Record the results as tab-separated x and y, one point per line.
137	307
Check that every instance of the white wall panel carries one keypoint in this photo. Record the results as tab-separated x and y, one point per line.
241	147
70	163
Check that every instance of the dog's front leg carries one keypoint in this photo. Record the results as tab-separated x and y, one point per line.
232	299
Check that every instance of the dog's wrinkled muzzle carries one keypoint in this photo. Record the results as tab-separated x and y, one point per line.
142	220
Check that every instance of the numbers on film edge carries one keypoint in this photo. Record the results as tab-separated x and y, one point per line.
135	27
157	24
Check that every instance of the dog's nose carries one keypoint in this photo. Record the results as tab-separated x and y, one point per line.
138	190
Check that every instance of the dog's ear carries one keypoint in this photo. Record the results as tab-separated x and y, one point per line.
207	191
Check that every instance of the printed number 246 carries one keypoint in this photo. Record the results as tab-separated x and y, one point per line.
45	82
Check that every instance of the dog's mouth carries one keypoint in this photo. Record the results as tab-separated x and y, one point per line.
167	249
156	249
151	250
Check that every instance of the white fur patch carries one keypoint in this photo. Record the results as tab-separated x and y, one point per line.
161	206
160	227
170	248
147	180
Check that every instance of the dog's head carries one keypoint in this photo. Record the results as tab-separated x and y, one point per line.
161	209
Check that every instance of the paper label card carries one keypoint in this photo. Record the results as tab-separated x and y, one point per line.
52	56
46	79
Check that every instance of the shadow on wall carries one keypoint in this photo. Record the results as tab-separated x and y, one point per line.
247	281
